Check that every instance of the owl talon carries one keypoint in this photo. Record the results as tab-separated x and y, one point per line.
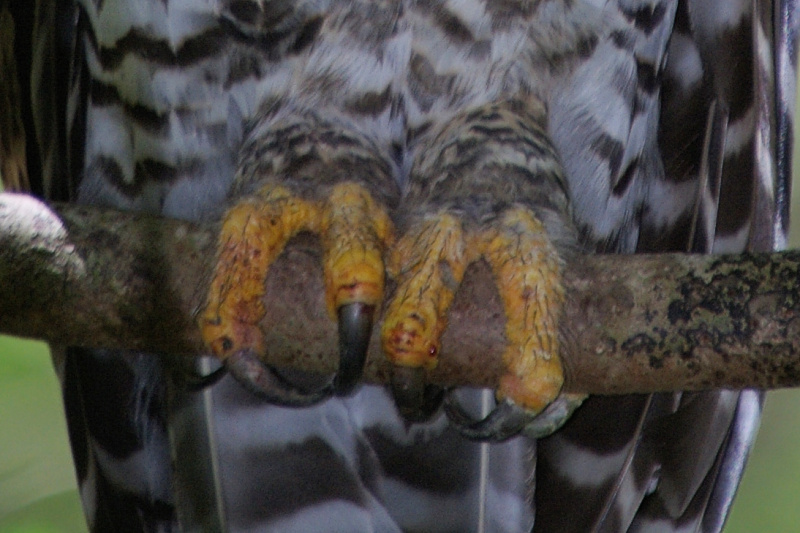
262	380
354	230
415	398
355	329
508	419
433	256
554	415
195	382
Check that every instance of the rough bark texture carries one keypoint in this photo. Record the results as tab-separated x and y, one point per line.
78	276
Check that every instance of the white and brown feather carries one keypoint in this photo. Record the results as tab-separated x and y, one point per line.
594	113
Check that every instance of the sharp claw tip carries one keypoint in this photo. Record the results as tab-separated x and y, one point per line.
416	400
262	380
505	421
355	330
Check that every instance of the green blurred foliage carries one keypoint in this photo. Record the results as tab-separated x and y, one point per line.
770	491
38	491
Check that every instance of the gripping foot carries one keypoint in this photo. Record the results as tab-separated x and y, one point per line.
429	263
354	231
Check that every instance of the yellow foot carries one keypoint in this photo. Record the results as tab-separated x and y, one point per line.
354	231
429	263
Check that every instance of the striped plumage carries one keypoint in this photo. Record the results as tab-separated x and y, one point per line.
672	121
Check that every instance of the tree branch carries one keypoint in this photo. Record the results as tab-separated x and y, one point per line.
100	278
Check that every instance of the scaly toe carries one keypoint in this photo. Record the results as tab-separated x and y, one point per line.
355	230
429	263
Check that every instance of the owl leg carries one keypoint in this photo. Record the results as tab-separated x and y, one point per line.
428	264
527	270
480	191
353	229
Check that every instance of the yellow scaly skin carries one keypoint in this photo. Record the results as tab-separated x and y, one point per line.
354	231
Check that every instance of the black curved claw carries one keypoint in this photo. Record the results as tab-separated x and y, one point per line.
506	420
195	381
416	400
263	381
355	329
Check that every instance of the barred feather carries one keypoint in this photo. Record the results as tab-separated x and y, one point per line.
671	120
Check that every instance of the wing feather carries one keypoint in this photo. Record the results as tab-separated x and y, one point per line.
14	26
673	461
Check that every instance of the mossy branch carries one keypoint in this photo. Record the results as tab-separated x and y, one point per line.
99	278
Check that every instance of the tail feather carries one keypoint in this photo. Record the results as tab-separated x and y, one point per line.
193	443
114	406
